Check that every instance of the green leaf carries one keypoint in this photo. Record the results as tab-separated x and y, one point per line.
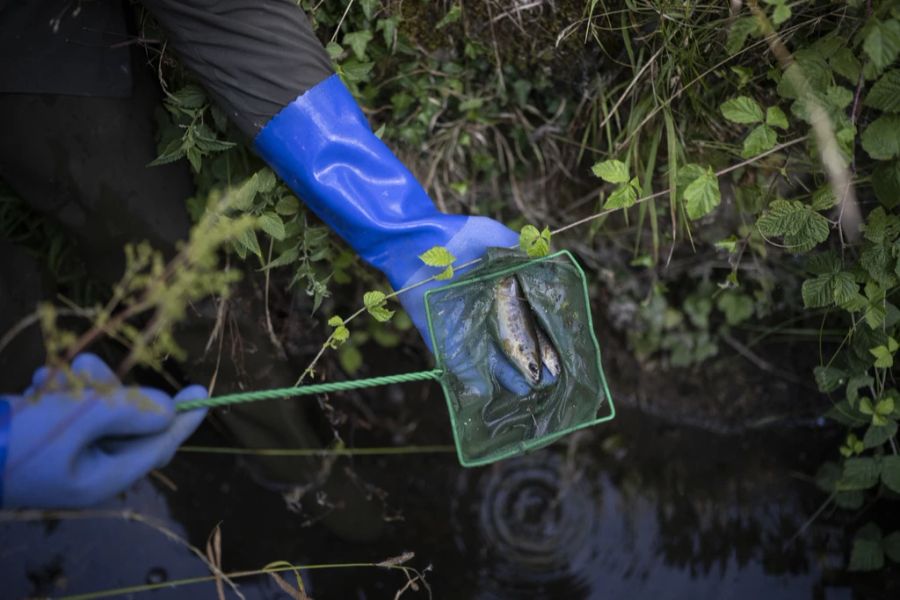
355	71
845	288
885	94
388	28
876	435
886	183
438	256
823	198
845	64
452	16
737	307
891	545
743	110
190	96
288	205
533	242
445	274
611	171
801	227
882	42
881	139
838	97
351	358
775	117
375	303
759	140
890	472
818	292
287	257
781	13
358	40
859	474
867	553
272	224
242	197
828	379
369	7
702	195
737	36
854	384
623	196
247	240
340	334
335	321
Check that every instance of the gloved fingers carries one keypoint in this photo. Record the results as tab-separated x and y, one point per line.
508	376
111	467
91	369
88	367
131	411
192	392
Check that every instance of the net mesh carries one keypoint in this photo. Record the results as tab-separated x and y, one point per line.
489	421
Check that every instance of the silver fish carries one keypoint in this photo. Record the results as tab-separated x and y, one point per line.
548	353
516	329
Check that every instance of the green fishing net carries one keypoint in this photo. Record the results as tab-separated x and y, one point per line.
490	422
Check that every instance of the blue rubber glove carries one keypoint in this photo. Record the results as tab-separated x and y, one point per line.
321	145
71	447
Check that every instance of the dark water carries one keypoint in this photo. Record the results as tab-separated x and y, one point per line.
637	509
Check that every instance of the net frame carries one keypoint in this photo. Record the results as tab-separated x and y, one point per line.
525	446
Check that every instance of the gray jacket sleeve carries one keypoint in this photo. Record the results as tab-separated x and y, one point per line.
253	56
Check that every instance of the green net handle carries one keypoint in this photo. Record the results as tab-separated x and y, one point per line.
306	390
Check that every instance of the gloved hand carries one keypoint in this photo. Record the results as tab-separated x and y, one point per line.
75	446
322	146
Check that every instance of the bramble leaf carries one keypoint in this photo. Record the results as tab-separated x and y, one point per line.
742	110
438	256
611	171
702	195
885	94
375	304
533	242
799	225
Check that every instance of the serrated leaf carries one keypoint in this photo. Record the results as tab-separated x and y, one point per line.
190	96
335	321
885	94
775	117
611	171
438	256
818	292
247	240
533	242
743	110
799	225
882	42
838	97
886	183
859	474
876	435
445	274
340	334
702	195
623	196
867	553
760	139
881	139
845	288
845	64
828	379
375	304
272	224
285	258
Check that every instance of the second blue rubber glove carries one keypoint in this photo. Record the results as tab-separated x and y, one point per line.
321	145
75	443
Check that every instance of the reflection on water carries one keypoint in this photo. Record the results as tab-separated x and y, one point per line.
536	530
638	509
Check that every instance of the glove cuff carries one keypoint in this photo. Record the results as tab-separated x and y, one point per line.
5	417
321	145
